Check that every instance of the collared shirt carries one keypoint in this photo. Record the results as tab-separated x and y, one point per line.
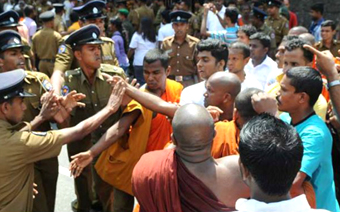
193	94
141	46
120	50
183	56
45	43
213	23
335	46
250	82
261	71
297	204
317	159
165	31
31	25
227	36
19	150
315	29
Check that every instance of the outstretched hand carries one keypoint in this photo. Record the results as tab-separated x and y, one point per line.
50	105
79	162
117	95
71	100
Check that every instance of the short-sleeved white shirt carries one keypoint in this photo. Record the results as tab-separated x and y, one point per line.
141	47
193	94
165	31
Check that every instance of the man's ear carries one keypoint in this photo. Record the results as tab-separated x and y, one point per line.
168	71
236	115
1	63
77	54
221	65
173	139
304	97
244	171
226	97
246	60
4	107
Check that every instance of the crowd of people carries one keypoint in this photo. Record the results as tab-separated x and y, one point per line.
169	106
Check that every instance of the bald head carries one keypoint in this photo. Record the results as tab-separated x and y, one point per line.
192	126
298	30
227	82
308	38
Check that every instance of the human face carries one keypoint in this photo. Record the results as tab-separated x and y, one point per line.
155	75
272	10
183	6
99	22
218	4
180	29
242	37
314	15
15	111
12	59
286	3
327	33
213	96
236	61
90	56
293	59
257	51
287	99
279	55
207	65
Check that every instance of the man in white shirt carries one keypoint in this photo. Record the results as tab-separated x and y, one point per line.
239	55
267	143
260	65
213	23
212	57
166	29
29	12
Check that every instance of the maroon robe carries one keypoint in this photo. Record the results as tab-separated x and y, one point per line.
162	183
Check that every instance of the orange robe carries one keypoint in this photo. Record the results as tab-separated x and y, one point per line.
115	165
226	140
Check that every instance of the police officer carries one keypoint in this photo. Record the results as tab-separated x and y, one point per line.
278	23
21	147
182	58
88	79
193	21
90	13
46	171
10	20
45	43
257	20
58	20
137	14
328	30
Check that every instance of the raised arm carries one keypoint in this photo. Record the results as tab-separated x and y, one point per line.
204	31
326	65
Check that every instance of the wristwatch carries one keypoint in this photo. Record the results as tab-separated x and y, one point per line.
333	83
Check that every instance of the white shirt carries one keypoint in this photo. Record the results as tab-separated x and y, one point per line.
213	24
165	31
31	25
193	94
297	204
141	47
250	82
262	71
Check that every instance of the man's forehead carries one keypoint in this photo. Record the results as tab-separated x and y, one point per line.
204	54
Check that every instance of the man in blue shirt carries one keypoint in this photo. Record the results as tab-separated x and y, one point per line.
300	89
316	12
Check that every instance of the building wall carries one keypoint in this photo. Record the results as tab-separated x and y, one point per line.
302	7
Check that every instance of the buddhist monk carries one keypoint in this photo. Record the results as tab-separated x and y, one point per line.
138	131
188	178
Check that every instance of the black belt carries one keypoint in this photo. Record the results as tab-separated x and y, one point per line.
48	60
180	78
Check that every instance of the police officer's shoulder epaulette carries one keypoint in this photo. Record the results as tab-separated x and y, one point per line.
168	38
106	39
193	38
318	44
65	37
112	70
337	41
36	75
72	73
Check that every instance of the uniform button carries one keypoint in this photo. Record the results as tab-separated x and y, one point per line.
178	54
177	70
92	91
178	47
177	61
95	105
101	126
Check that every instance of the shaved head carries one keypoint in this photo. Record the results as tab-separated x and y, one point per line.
192	126
227	82
308	38
298	30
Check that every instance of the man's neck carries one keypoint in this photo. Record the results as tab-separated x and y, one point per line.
89	73
157	92
276	15
230	24
327	43
241	75
227	112
258	195
258	62
300	115
180	39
